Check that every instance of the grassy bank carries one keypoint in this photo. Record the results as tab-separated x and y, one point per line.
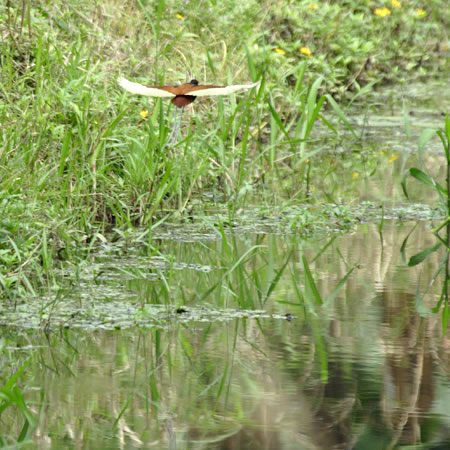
80	158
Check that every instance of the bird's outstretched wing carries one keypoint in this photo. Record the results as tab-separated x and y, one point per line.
137	88
202	91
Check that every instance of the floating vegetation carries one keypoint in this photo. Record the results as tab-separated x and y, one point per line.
98	315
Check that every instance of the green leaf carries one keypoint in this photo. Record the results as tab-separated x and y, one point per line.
426	179
403	185
403	246
422	176
419	257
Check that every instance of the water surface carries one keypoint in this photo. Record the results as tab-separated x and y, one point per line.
243	370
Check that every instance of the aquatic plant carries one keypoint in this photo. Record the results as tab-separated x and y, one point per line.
443	192
11	396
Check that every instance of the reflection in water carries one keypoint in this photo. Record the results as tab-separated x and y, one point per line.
408	380
363	370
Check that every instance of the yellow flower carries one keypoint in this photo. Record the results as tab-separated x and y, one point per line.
179	17
306	51
382	12
355	175
143	113
396	4
421	12
393	158
313	6
280	51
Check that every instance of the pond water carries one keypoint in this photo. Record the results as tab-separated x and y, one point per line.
238	367
256	335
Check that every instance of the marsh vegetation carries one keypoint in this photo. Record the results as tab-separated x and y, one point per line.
276	278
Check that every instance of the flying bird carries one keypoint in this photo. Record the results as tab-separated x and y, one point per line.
182	95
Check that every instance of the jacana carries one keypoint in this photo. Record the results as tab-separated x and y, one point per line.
183	94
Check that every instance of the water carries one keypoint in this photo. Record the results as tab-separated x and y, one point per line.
364	369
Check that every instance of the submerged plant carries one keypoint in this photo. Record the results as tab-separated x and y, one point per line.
443	192
12	396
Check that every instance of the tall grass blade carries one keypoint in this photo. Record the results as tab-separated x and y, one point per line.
312	98
338	287
277	278
300	76
403	246
340	113
311	290
251	65
445	315
122	412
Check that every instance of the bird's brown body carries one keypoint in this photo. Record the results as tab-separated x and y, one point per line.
181	92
